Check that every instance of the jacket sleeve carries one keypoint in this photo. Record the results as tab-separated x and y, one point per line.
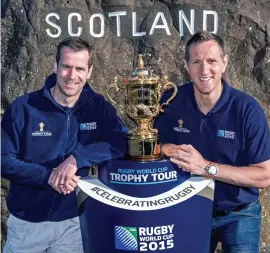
112	141
12	167
257	142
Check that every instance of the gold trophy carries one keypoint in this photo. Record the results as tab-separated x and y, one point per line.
143	91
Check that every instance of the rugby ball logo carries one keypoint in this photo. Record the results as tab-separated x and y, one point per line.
126	238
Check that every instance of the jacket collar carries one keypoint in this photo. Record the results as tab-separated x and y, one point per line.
223	100
221	103
86	95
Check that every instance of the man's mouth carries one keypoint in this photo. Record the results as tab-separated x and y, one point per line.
205	78
69	83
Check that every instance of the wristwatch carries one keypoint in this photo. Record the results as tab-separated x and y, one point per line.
212	169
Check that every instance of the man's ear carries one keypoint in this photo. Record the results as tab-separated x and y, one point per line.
90	72
225	63
186	66
54	66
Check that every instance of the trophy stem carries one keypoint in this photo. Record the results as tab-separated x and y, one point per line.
145	128
143	142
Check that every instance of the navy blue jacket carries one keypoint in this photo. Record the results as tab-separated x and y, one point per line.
38	134
234	132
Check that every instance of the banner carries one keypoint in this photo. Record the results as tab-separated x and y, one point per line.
145	207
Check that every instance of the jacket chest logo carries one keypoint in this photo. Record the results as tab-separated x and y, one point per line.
225	134
180	127
180	122
88	126
42	130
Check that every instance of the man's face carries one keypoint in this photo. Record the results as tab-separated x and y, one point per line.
206	66
72	72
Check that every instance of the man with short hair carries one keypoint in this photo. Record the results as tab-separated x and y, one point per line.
213	130
50	138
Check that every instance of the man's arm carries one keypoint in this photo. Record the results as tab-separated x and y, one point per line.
63	178
112	144
12	168
189	159
255	175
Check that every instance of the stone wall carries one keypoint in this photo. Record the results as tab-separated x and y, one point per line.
28	51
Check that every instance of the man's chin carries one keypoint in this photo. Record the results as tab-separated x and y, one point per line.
203	90
69	93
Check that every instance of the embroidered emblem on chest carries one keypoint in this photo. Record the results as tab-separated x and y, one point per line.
42	130
226	134
88	126
180	128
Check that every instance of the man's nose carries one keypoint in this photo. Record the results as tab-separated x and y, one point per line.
204	68
72	73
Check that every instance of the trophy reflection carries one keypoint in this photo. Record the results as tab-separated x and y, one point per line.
142	91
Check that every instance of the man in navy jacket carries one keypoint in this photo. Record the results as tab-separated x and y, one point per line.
213	130
50	138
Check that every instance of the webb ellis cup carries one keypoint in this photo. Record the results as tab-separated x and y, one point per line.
142	91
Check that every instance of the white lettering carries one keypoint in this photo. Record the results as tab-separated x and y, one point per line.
57	27
128	177
142	231
170	227
97	27
134	26
164	176
154	231
190	25
102	25
144	177
156	26
118	23
205	14
70	32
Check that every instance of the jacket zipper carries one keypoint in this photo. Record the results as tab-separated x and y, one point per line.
67	124
67	135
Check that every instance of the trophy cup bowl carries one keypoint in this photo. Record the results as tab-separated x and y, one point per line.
142	92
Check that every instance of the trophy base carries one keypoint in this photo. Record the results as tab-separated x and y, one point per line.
144	158
144	149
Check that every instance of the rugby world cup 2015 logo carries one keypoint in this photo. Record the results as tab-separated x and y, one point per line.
126	238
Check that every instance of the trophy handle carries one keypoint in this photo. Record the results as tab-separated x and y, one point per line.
115	86
166	86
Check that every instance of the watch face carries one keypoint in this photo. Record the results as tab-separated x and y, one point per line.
212	169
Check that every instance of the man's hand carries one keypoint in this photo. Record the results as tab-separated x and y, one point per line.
186	157
63	178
